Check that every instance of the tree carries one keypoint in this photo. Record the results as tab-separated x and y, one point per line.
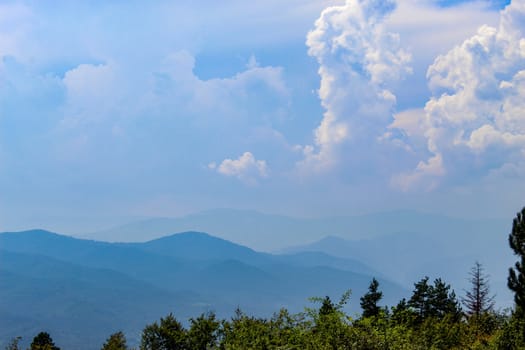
434	300
443	301
327	307
478	299
204	332
168	335
330	326
516	279
244	332
116	341
420	298
43	341
370	299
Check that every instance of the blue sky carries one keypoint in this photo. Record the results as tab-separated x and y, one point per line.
111	111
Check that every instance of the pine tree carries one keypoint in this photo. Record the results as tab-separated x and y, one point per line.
327	307
370	299
116	341
419	301
43	341
516	280
434	300
478	299
443	301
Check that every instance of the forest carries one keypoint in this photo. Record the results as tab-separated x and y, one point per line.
434	317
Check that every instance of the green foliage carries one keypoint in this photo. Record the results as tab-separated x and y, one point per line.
204	332
511	336
168	335
116	341
43	341
434	300
516	279
244	332
328	327
370	299
327	307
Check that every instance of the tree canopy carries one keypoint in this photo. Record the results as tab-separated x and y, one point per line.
369	301
516	279
43	341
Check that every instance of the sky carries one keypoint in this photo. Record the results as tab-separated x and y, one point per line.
112	110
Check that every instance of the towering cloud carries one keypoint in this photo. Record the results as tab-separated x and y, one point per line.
358	61
474	123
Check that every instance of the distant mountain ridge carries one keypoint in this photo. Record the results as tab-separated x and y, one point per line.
265	232
406	257
46	279
193	271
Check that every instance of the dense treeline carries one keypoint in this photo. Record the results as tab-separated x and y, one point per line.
432	318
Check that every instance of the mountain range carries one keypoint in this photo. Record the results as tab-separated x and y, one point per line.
403	245
268	232
83	290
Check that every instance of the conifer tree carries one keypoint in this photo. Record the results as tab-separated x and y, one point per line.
434	300
116	341
327	307
43	341
370	299
478	299
419	301
516	279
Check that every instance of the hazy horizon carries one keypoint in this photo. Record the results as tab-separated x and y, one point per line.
84	226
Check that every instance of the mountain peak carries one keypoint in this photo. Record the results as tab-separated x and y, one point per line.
332	240
197	245
36	231
187	235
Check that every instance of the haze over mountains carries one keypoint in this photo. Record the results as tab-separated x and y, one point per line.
267	232
66	285
389	242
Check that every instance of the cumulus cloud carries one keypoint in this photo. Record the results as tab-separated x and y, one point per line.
253	83
92	90
474	123
246	168
358	61
105	102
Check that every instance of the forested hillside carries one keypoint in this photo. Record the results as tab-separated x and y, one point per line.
432	318
67	285
195	291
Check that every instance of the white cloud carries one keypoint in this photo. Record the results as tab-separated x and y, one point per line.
474	122
105	102
175	87
429	30
92	91
358	61
246	168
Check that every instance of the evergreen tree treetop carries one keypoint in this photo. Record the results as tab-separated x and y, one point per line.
516	279
369	301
